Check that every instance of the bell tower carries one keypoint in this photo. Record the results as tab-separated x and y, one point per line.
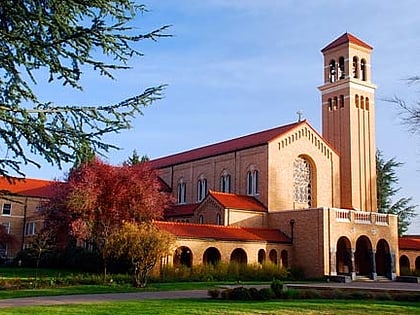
348	119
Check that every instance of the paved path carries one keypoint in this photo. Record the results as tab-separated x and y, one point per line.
191	294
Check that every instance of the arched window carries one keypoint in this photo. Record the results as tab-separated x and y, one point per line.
330	105
182	192
341	72
201	188
363	69
362	102
201	219
218	219
367	103
332	71
335	102
302	174
357	101
252	182
355	70
225	182
341	101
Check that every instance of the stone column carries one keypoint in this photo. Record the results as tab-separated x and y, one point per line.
352	265
333	262
373	274
393	275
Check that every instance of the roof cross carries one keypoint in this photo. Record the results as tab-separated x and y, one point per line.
300	114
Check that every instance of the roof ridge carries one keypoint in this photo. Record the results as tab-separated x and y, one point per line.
233	227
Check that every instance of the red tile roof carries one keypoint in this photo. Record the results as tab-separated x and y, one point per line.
234	201
181	210
245	142
346	38
28	187
221	232
409	242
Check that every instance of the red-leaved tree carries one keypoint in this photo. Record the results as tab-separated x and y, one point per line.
99	197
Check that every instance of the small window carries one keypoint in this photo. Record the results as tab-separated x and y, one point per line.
341	101
201	219
357	101
330	106
335	102
201	188
7	209
219	219
225	182
30	228
182	192
6	226
252	183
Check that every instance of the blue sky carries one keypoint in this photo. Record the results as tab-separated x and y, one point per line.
240	66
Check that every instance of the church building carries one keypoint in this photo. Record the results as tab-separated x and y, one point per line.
291	194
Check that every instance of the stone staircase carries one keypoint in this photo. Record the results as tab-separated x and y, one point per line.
367	279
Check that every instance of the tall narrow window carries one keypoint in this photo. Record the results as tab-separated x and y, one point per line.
252	183
341	72
302	174
332	71
355	70
367	103
363	69
356	100
201	219
341	101
201	188
182	192
218	219
7	209
362	102
330	105
30	228
225	180
6	226
335	102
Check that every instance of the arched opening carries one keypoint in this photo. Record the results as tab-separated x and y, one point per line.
343	256
332	71
417	265
341	72
183	257
330	104
211	256
356	100
341	101
383	259
261	256
284	256
363	69
355	69
273	256
363	256
201	219
239	256
218	219
404	266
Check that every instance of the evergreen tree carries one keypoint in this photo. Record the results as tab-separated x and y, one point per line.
63	39
386	184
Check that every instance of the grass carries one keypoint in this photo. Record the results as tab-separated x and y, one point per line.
95	289
186	306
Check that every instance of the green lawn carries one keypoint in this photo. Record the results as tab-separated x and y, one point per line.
184	307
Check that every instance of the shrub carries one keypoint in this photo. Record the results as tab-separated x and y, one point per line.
213	293
277	288
266	294
240	293
226	294
310	294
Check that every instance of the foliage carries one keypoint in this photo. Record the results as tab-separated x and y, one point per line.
6	239
144	245
410	113
136	159
97	198
224	272
386	190
277	287
59	41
